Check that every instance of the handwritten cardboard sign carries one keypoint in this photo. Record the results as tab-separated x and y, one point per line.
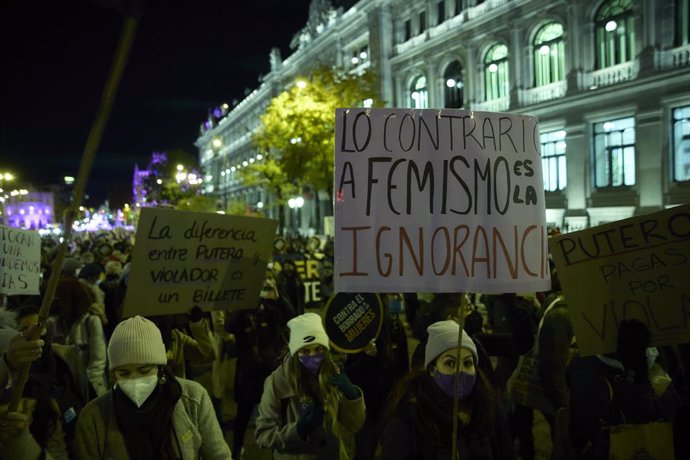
182	259
20	261
353	320
438	201
633	268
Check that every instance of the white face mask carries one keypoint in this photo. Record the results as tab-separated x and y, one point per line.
138	390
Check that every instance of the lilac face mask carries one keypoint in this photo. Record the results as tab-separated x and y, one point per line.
312	362
447	384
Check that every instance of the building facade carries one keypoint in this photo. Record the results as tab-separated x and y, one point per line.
609	81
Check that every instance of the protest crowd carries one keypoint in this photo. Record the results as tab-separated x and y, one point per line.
268	382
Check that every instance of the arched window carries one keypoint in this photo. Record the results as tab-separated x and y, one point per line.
549	55
453	87
615	33
496	72
419	94
682	22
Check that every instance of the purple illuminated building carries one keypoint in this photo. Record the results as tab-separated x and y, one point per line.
33	210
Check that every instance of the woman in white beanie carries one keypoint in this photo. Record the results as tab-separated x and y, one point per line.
309	409
149	413
418	420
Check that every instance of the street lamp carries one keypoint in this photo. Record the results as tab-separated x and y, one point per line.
296	204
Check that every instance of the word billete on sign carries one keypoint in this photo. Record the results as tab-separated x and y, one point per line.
635	268
438	200
182	259
20	261
353	320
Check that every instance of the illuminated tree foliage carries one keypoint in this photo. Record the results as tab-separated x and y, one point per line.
297	132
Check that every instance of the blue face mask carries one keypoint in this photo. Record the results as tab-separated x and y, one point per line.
312	362
447	384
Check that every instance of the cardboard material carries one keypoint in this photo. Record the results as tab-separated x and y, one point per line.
438	201
633	268
182	259
20	261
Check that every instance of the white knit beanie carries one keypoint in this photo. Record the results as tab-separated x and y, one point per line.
136	340
306	329
443	336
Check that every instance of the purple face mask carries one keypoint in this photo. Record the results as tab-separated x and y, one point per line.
447	384
312	362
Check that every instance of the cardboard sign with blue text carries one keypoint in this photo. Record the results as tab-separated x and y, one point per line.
20	261
438	201
182	259
635	268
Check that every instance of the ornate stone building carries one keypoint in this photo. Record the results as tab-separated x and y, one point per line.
609	80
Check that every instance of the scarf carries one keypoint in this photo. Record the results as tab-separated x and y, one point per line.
148	430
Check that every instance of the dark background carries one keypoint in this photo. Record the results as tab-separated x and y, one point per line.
187	57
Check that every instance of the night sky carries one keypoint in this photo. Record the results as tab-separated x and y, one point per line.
187	57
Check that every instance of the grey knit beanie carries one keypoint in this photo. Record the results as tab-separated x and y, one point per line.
136	340
443	336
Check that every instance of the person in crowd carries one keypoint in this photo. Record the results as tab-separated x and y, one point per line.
418	419
261	336
611	389
309	408
186	338
50	385
291	286
149	413
90	276
112	295
16	352
376	369
72	325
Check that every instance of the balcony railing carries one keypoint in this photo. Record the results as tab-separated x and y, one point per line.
680	56
494	105
488	5
613	75
543	93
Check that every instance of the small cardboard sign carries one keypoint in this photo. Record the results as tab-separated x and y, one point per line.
353	320
438	201
635	268
20	261
183	259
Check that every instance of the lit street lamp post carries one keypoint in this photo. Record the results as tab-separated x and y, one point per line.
296	204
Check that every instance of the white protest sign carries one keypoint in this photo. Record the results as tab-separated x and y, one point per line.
438	201
20	261
183	259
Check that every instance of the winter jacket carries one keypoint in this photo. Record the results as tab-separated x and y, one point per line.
276	425
199	347
85	352
556	346
194	422
600	396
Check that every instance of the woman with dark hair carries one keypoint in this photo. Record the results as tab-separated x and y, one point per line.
418	420
149	413
309	409
81	333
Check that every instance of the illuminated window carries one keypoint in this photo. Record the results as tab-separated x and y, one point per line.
681	144
615	33
553	160
614	153
419	94
453	88
496	72
682	22
549	55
